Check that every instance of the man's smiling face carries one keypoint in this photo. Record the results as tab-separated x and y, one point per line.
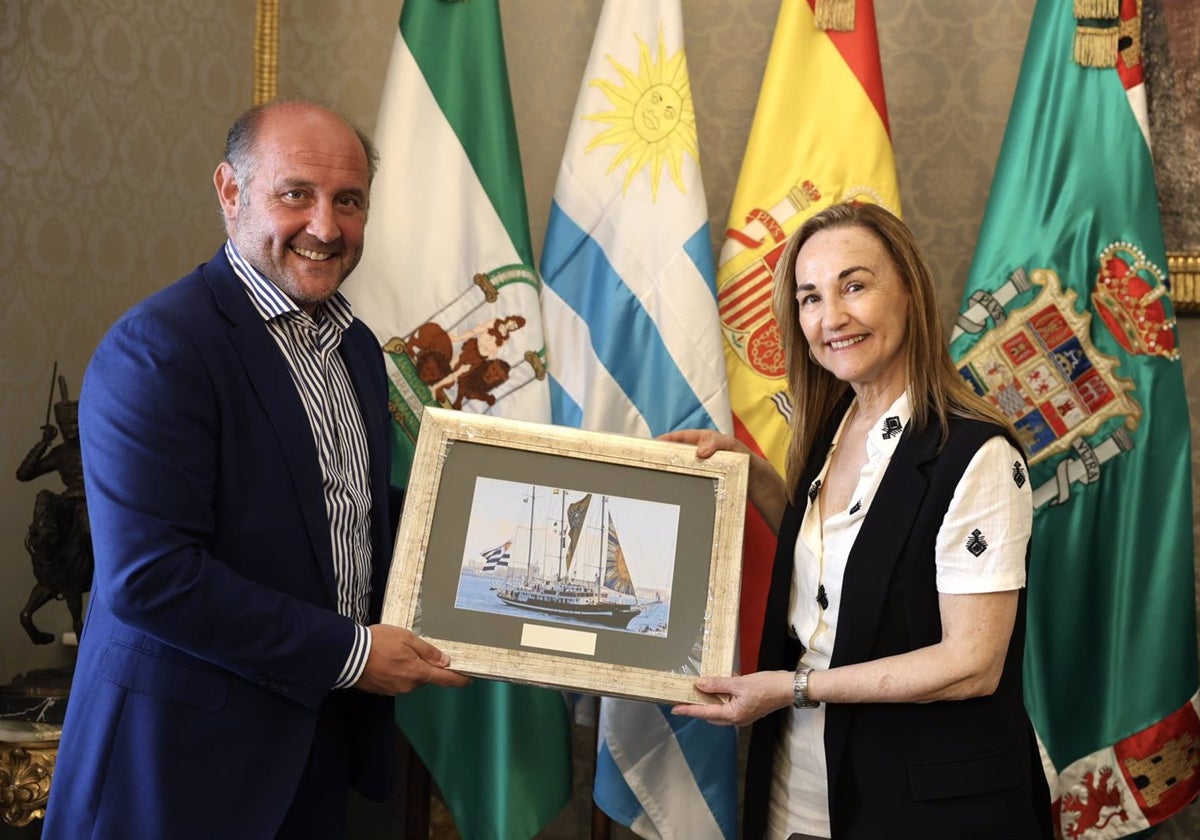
299	216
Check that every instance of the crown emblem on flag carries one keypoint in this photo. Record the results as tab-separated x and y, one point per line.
1129	297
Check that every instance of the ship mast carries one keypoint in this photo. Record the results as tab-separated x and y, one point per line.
529	550
562	523
603	543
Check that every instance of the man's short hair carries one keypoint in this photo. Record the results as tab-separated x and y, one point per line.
243	134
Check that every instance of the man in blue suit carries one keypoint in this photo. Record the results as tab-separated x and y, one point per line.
232	678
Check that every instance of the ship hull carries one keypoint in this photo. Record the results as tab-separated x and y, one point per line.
608	614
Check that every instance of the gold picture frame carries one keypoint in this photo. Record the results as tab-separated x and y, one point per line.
576	560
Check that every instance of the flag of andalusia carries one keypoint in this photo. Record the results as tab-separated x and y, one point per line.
447	284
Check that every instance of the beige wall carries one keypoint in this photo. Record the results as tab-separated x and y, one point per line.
114	113
113	118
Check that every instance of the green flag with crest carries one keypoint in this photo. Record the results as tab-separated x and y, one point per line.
1067	324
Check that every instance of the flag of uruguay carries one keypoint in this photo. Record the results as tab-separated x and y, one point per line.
630	288
634	346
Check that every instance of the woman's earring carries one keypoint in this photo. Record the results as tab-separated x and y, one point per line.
811	356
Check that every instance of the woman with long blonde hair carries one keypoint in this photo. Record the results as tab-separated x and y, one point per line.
887	701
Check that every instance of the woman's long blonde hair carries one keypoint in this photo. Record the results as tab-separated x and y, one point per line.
936	390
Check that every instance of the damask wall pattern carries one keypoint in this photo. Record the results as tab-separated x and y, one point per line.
114	112
113	119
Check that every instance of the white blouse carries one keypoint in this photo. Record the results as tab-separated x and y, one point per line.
980	548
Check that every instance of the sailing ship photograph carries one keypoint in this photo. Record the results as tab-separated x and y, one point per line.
568	556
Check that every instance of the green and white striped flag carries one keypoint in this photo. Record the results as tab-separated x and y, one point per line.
447	284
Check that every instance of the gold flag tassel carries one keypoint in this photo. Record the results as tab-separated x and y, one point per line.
266	51
835	15
1096	46
1107	9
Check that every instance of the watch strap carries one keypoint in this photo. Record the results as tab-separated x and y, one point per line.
800	698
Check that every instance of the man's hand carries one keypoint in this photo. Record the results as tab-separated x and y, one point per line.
400	661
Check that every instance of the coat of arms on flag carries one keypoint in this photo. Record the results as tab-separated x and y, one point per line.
468	352
744	299
1039	365
1110	662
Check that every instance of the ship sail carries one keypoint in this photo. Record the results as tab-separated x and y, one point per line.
576	514
596	586
616	573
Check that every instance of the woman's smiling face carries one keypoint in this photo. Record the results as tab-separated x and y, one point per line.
853	308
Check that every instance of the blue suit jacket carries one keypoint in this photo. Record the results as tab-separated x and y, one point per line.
211	636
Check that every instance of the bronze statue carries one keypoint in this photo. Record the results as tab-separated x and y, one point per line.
60	538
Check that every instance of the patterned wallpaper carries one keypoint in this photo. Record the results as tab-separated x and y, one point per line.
114	114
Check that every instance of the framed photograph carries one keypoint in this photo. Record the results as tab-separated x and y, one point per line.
582	561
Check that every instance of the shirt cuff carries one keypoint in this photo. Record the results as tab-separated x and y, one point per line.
356	662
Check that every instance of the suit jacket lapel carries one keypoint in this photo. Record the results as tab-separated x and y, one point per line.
271	381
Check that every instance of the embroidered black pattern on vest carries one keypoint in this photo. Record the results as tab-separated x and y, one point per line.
822	598
814	490
856	508
1018	473
891	427
976	544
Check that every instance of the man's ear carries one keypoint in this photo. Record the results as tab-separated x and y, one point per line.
228	193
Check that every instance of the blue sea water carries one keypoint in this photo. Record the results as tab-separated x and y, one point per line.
475	593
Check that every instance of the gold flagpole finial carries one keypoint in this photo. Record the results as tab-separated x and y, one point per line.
266	51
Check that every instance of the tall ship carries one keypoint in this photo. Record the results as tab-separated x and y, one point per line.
580	572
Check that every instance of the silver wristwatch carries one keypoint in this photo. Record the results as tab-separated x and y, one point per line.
800	690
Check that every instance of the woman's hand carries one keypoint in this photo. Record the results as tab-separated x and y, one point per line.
749	697
706	441
765	486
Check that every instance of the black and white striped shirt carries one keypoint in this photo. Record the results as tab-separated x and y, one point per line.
310	347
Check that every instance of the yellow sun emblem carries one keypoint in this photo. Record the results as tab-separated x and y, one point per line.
652	118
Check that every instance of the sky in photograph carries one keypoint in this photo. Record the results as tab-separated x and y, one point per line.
648	530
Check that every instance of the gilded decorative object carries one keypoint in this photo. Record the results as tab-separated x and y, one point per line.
25	772
1184	270
266	51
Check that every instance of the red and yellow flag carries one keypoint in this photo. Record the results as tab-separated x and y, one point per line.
820	136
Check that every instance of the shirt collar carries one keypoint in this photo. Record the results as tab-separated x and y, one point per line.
270	301
885	433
